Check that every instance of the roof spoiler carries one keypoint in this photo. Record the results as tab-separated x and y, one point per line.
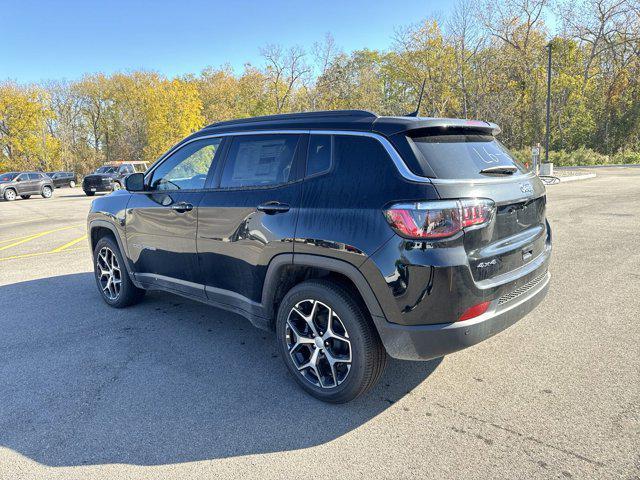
408	124
445	123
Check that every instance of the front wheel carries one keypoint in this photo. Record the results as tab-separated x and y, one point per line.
47	192
328	342
114	284
9	195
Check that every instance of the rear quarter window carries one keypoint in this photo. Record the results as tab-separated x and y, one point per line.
319	154
463	156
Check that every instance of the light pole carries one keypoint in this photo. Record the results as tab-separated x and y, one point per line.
548	133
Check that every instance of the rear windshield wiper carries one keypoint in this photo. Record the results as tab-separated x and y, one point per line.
500	170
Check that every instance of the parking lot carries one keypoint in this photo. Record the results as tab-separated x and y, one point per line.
174	389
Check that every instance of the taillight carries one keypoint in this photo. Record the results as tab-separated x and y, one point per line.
439	218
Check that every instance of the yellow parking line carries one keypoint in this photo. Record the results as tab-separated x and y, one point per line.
70	244
33	237
27	255
5	240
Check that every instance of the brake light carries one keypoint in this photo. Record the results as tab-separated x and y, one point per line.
474	311
440	218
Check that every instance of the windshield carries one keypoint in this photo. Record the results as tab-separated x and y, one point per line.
465	156
105	170
7	177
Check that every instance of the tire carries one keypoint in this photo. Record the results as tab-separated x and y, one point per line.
72	184
117	186
352	336
10	195
119	292
89	194
47	192
25	196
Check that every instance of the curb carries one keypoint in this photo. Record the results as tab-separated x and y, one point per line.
575	178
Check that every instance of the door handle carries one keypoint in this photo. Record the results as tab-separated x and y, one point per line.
273	207
182	207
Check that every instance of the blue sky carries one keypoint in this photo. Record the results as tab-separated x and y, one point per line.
65	39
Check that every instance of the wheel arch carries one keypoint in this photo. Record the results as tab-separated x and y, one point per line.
100	228
287	270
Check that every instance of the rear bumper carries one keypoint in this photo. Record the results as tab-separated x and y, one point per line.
424	342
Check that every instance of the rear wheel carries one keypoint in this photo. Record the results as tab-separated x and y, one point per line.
72	184
112	279
9	194
25	196
47	191
328	342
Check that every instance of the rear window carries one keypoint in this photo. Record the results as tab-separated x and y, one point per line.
465	156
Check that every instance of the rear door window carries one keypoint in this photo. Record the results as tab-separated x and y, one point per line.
465	155
259	161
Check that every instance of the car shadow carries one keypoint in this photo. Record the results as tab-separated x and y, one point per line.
166	381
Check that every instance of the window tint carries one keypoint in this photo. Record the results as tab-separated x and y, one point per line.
35	176
187	168
464	156
319	156
7	177
259	160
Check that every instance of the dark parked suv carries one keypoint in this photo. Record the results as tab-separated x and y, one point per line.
349	235
25	184
63	179
111	177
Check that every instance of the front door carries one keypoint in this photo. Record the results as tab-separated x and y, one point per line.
162	221
24	185
250	217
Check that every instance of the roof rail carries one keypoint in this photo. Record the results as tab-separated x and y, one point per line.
297	116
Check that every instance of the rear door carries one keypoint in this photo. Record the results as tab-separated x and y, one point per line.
36	180
161	222
249	215
468	164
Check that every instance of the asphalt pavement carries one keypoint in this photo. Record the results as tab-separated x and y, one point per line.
174	389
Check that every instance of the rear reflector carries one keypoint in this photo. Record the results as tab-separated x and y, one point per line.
439	218
474	311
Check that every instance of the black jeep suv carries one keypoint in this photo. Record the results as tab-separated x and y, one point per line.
351	236
25	184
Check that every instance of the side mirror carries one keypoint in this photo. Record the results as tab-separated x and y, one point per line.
18	179
134	182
